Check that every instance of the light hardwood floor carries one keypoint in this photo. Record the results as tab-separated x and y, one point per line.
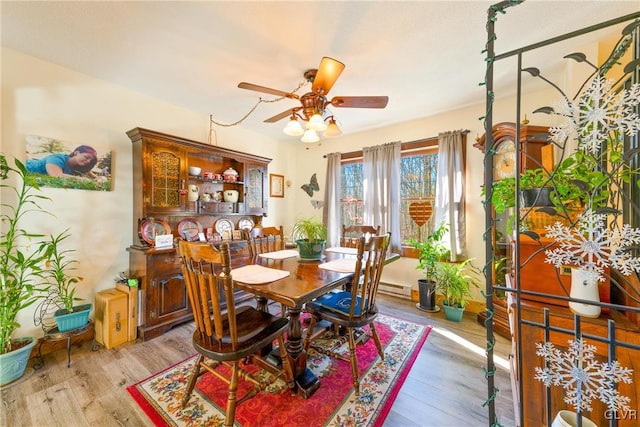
446	385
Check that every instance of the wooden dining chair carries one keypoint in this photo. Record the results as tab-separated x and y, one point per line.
354	309
265	239
350	235
227	336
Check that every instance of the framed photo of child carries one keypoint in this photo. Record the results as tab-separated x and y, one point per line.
63	164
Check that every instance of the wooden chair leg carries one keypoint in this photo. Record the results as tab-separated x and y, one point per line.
354	361
231	399
307	336
286	366
374	333
195	373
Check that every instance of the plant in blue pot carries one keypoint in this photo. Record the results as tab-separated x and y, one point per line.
60	273
454	281
22	257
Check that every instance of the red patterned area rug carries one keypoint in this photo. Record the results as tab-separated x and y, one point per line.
334	403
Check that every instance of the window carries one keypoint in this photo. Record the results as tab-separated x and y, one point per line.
418	170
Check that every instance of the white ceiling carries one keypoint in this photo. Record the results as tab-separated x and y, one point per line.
425	55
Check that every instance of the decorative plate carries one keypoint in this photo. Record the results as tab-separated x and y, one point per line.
245	223
189	229
224	227
150	228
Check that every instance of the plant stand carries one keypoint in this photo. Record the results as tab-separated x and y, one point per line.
55	335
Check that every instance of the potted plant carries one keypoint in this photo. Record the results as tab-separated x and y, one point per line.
310	235
558	194
430	251
455	284
58	272
535	190
22	258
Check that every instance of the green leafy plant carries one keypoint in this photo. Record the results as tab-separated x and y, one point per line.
58	271
576	181
309	229
453	282
431	250
22	253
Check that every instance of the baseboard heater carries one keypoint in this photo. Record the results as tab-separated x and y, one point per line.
396	289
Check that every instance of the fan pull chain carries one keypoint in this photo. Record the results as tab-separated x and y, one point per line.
260	100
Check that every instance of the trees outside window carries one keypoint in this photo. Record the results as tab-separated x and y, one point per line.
418	171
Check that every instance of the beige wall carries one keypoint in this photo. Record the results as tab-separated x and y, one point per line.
40	98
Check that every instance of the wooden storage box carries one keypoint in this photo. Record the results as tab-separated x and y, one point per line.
111	320
132	309
536	275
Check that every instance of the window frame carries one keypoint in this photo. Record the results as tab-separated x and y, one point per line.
410	148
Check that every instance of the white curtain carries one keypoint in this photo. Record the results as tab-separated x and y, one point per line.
381	187
331	209
450	201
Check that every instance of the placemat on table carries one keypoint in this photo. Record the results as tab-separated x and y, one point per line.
255	274
340	265
286	253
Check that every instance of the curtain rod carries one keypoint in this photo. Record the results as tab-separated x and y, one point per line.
464	131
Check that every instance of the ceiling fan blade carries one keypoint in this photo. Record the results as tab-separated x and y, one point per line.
282	115
327	74
360	101
251	86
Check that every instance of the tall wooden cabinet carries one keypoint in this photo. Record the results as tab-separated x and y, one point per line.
160	183
532	140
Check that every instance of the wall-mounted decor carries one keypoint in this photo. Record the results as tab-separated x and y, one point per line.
63	164
311	186
276	185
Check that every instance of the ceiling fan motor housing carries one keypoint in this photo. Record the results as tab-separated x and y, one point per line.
313	103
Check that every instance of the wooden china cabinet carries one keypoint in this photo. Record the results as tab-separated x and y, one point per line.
532	140
161	182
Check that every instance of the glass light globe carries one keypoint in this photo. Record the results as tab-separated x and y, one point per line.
310	136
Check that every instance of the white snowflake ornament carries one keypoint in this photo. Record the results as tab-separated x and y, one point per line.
596	114
591	247
582	377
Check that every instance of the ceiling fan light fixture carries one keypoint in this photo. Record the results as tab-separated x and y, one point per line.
316	123
310	136
293	128
332	129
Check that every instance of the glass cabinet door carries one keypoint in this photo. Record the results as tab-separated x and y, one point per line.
255	189
167	182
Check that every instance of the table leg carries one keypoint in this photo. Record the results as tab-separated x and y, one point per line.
261	304
306	381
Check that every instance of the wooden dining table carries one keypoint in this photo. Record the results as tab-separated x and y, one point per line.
306	281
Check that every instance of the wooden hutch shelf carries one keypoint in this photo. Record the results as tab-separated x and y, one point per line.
160	181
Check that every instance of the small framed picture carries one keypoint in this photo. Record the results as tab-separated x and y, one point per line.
276	185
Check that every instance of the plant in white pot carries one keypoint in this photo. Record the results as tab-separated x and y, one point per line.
59	273
311	236
430	251
22	258
454	282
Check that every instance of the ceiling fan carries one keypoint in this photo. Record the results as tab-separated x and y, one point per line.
314	104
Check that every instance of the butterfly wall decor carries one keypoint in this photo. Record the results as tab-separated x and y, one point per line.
311	186
317	204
